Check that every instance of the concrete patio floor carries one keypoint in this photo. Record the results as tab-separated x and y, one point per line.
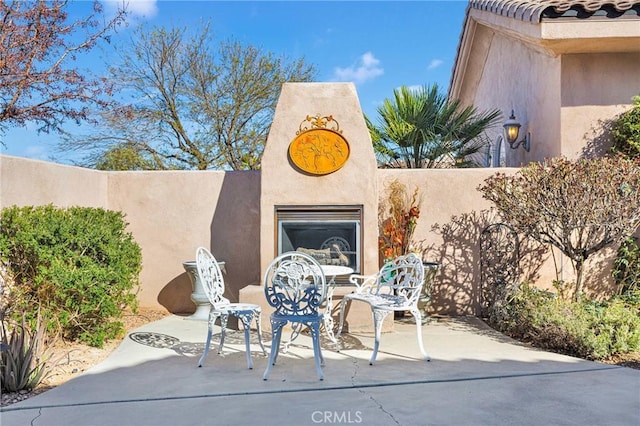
476	377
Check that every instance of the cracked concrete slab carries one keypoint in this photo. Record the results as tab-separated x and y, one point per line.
476	377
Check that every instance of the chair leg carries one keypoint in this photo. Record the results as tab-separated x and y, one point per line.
259	328
327	320
206	345
223	325
378	318
343	304
418	316
278	339
276	332
317	350
246	324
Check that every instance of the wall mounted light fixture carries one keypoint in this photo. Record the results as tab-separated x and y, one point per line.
511	130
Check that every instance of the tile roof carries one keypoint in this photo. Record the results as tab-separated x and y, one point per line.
535	10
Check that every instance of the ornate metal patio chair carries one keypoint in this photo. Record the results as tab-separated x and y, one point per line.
295	287
396	287
221	307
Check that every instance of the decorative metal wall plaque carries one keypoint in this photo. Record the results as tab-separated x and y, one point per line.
319	147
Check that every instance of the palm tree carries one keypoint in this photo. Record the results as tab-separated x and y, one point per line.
421	128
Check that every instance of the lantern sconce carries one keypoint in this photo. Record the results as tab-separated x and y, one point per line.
511	130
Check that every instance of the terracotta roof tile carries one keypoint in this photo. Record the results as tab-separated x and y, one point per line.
534	10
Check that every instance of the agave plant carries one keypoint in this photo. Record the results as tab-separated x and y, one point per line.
24	361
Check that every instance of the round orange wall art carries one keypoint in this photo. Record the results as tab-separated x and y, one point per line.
319	151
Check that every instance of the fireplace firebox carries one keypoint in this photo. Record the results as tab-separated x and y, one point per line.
331	234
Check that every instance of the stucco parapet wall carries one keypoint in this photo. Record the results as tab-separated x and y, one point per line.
535	11
35	182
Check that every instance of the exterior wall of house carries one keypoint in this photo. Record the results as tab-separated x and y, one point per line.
171	213
508	74
565	79
592	95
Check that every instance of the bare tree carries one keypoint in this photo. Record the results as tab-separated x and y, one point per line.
192	106
39	81
579	206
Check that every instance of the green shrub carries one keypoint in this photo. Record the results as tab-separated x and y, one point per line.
626	132
78	265
583	328
626	267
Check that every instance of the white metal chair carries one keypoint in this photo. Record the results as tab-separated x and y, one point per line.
396	287
221	307
295	287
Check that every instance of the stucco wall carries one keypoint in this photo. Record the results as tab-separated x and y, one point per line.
596	87
509	74
31	182
565	80
170	214
283	184
448	230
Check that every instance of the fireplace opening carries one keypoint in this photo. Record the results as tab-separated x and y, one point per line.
331	234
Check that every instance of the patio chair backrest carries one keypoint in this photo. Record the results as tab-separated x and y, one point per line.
295	285
211	277
402	276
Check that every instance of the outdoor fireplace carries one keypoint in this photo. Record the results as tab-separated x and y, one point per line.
331	234
319	187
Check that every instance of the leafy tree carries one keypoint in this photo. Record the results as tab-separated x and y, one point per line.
194	106
579	206
38	80
626	131
421	128
124	157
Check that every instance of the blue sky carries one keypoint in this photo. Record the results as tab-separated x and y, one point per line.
378	45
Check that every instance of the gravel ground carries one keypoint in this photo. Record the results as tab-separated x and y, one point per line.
76	358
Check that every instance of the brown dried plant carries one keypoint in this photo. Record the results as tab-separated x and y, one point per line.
397	219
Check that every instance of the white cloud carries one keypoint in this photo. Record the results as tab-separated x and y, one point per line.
366	68
435	63
136	9
146	8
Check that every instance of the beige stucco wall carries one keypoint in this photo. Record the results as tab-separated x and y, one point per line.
448	230
508	74
596	87
31	182
171	213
